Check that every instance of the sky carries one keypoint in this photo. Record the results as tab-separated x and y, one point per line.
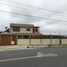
50	15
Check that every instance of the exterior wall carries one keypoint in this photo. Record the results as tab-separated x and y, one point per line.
40	42
55	41
35	42
0	39
45	42
64	41
23	30
11	29
23	42
6	40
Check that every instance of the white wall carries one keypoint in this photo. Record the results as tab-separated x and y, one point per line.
45	42
55	41
23	30
64	41
35	42
40	42
23	42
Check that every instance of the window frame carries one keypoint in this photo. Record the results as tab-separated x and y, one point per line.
27	29
16	29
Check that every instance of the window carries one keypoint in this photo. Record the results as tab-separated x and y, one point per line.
35	37
16	29
20	37
28	29
23	37
26	37
35	30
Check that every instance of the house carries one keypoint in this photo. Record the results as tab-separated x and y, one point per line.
19	31
29	35
24	28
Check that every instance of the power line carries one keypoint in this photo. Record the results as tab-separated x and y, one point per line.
47	18
17	6
23	9
34	16
12	5
37	7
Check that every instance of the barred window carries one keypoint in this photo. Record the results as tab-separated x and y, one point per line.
20	37
26	37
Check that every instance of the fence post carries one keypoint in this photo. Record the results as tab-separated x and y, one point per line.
30	40
41	39
50	39
59	39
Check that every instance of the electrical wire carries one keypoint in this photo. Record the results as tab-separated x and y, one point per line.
34	16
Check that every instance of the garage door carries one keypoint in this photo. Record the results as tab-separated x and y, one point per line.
5	40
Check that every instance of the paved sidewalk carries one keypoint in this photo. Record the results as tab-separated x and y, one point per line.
9	48
16	47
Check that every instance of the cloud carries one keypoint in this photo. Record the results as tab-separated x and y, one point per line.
48	21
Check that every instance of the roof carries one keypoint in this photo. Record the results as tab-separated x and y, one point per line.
23	25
